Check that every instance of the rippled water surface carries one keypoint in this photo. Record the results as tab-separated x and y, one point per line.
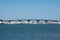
30	32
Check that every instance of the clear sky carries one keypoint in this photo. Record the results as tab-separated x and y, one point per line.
30	9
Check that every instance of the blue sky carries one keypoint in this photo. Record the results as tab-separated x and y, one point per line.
30	9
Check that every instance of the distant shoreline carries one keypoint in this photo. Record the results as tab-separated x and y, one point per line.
30	21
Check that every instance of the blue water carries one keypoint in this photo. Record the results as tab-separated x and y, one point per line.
30	32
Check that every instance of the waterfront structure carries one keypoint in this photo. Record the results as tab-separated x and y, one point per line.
58	21
52	22
29	21
1	21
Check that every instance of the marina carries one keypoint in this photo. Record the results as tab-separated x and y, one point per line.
30	21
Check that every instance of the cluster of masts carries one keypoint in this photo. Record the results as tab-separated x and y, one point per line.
29	21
